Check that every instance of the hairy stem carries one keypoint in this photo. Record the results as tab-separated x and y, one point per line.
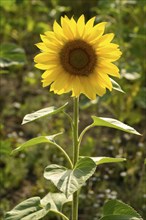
65	154
75	154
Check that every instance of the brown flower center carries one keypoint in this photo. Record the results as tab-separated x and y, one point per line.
78	58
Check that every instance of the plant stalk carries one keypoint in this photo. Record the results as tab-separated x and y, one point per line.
75	154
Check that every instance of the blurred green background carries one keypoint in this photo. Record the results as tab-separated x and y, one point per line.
22	21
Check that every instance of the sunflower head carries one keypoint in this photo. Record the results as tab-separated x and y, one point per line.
77	57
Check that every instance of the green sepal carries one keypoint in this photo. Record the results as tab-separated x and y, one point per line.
42	113
116	86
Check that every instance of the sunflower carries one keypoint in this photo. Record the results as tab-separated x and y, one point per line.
77	57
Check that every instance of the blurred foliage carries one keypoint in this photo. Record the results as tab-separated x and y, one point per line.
10	55
22	21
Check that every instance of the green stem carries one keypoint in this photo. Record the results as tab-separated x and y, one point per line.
83	132
65	154
75	154
75	131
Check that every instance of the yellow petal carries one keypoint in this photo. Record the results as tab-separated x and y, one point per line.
107	38
58	31
49	79
66	29
104	80
42	66
50	49
51	69
100	90
67	19
52	37
51	45
81	25
90	23
41	58
108	68
44	38
76	86
42	46
104	40
88	28
109	71
97	31
46	58
88	90
108	48
50	34
69	82
60	82
57	28
73	25
110	56
96	86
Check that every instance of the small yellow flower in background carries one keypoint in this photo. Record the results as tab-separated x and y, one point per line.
77	57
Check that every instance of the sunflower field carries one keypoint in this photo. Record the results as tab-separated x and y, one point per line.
21	93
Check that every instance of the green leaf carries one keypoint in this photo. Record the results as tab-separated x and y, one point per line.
43	139
113	123
42	113
117	207
102	160
27	210
11	54
56	200
70	180
35	208
37	140
117	210
116	86
119	217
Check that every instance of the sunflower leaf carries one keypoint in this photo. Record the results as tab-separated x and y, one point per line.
113	123
34	141
40	140
42	113
36	208
56	200
70	180
117	210
26	209
119	217
102	160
